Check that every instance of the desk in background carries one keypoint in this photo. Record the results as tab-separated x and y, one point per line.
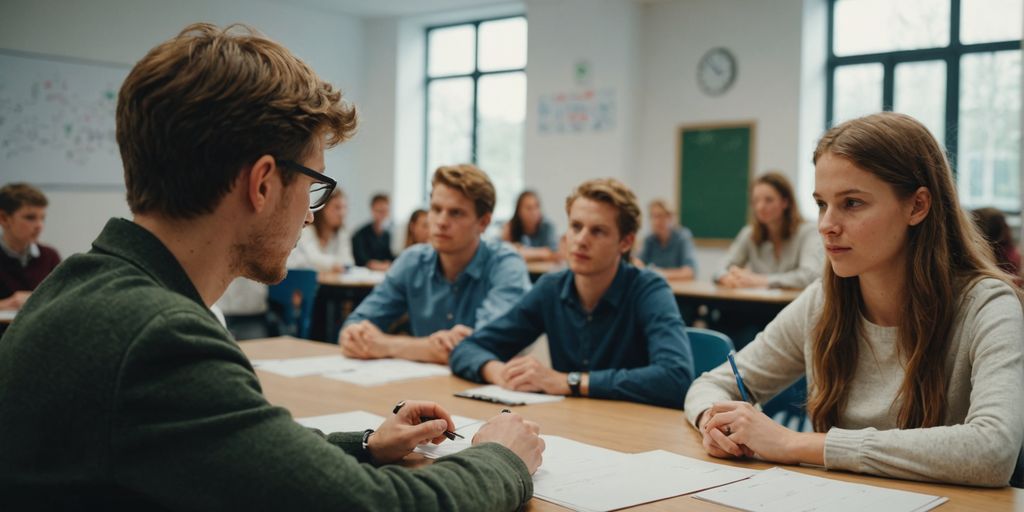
339	294
739	313
622	426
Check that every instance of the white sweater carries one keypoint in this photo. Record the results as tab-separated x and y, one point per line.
309	254
800	261
983	428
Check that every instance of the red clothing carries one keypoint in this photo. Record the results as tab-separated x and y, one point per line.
15	278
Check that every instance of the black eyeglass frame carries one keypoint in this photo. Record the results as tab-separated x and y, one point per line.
318	177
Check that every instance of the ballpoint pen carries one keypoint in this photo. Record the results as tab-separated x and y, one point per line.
739	380
447	433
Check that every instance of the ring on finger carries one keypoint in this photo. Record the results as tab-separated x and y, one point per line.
728	430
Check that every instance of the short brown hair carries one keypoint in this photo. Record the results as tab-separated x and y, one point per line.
660	203
471	181
615	193
379	197
15	195
201	106
791	218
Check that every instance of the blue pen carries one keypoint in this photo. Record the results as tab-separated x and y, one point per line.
739	380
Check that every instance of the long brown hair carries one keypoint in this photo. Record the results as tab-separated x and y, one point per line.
945	256
516	228
409	242
791	218
320	226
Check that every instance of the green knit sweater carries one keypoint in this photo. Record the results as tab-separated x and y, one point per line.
119	388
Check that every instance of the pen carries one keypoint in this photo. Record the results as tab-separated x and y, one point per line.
447	433
490	399
739	380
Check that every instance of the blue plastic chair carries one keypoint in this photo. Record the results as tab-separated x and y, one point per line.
294	297
1017	480
710	349
788	407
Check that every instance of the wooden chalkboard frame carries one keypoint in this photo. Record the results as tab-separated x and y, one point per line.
678	172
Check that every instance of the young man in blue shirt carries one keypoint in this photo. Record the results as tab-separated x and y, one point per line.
449	287
614	330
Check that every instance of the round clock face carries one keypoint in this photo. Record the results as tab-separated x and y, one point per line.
716	71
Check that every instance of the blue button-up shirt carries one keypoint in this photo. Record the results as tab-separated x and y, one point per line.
633	343
677	253
495	279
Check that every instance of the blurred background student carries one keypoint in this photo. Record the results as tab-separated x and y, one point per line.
532	234
992	224
669	249
325	245
24	262
371	245
418	230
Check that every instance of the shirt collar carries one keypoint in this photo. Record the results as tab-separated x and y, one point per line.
30	254
612	296
475	268
135	244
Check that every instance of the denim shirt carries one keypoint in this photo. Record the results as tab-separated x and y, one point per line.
493	281
677	253
633	343
544	237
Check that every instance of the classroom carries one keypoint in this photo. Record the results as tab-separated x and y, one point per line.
701	111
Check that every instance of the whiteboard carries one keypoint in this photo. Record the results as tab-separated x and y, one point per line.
57	121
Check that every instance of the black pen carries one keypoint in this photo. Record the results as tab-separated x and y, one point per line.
423	419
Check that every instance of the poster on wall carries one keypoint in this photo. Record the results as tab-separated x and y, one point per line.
57	120
576	112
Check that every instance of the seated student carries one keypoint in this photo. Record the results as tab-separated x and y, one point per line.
325	245
614	330
418	229
119	389
371	245
777	249
669	249
910	343
529	231
992	224
449	287
24	262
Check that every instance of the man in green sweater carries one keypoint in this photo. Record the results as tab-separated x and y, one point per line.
118	387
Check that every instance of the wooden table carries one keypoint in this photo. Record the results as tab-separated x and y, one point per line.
539	268
622	426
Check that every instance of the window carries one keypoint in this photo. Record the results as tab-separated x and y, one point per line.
476	101
955	65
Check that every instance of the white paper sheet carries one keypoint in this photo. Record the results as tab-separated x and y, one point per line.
780	490
382	371
305	366
353	421
465	427
8	314
499	395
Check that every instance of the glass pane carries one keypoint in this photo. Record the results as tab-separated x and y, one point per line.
873	26
501	102
449	122
503	44
984	21
920	91
858	91
989	152
451	51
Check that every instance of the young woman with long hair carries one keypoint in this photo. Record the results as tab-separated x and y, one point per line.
417	231
325	245
911	342
529	231
777	249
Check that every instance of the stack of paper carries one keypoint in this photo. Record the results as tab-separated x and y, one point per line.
784	491
356	371
499	395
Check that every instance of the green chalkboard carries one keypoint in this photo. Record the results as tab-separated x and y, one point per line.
715	166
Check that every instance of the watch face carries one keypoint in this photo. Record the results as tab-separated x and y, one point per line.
716	71
573	378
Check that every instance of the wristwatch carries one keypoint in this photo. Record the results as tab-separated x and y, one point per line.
573	380
366	439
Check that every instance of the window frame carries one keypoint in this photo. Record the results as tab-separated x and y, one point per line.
475	75
950	54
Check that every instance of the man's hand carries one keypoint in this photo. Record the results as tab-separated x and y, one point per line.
15	301
516	434
363	340
449	338
528	374
738	277
401	433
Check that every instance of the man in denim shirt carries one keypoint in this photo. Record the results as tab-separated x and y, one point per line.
614	331
455	284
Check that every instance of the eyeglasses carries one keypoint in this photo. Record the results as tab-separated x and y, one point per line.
321	188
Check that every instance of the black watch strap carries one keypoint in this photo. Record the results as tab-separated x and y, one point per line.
574	380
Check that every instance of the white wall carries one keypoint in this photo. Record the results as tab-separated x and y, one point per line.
123	31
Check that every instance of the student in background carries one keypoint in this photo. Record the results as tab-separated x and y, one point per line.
119	345
669	249
24	262
910	343
529	231
992	224
371	245
418	229
449	287
614	330
324	245
777	249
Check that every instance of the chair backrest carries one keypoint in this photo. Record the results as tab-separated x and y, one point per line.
788	407
1017	480
295	296
710	349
